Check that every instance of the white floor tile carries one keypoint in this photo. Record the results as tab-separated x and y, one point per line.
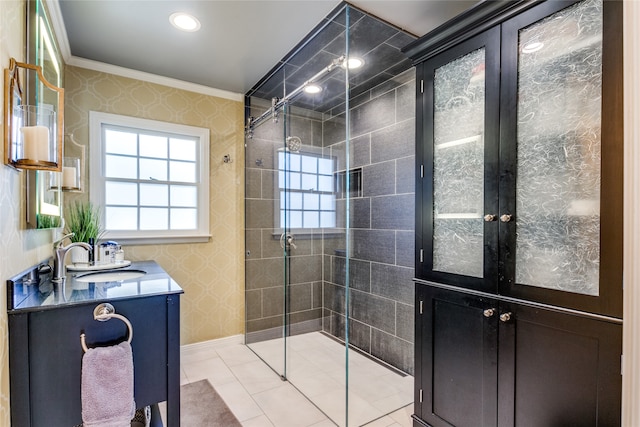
256	376
236	355
316	367
286	407
239	401
261	421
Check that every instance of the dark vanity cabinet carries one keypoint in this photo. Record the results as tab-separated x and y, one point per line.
45	352
518	216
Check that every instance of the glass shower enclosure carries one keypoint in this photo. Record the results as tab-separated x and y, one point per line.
329	208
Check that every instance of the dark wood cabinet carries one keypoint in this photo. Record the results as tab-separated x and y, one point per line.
518	216
485	362
45	351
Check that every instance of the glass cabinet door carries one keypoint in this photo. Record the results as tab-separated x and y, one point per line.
461	143
555	155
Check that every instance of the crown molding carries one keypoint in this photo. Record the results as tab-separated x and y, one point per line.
60	33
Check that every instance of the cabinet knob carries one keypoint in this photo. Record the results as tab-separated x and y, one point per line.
505	218
505	317
489	217
489	312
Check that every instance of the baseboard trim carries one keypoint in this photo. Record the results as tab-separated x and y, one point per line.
187	349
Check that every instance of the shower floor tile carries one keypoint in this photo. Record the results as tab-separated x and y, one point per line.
314	396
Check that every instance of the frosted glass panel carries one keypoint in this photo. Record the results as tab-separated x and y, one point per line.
153	169
121	218
154	219
153	146
121	193
182	171
121	167
184	219
154	195
117	142
558	154
458	170
182	149
184	196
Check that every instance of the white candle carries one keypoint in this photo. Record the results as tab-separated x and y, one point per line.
69	177
35	142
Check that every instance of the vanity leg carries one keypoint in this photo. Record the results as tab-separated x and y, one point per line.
173	361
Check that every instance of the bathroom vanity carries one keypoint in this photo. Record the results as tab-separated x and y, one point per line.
46	321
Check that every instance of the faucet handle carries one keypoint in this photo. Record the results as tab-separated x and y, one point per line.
58	243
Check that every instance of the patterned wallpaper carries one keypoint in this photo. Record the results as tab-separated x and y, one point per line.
212	273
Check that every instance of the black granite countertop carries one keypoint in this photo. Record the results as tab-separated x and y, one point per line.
42	294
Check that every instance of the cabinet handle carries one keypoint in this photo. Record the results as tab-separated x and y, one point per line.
489	312
505	218
489	217
505	317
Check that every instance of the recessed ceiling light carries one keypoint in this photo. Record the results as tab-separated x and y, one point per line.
311	88
532	47
354	62
184	21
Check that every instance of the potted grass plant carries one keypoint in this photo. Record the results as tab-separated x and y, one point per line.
83	220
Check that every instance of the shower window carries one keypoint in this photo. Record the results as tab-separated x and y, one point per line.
305	187
151	178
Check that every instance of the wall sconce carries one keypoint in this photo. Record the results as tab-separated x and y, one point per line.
33	120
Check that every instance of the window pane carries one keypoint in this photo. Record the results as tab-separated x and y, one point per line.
309	164
294	162
182	149
325	166
121	193
309	182
311	201
281	160
154	195
153	146
281	182
294	181
295	219
182	171
183	195
294	201
120	167
311	219
327	219
153	169
117	142
184	219
154	219
327	202
325	183
121	218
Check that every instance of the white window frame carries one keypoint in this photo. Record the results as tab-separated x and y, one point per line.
310	152
97	179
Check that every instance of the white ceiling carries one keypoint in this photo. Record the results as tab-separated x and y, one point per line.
239	42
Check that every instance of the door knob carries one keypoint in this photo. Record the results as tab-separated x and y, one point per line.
505	317
505	218
489	312
489	217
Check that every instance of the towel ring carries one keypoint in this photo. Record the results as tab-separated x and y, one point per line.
102	313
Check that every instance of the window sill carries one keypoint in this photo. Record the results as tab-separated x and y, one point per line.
155	240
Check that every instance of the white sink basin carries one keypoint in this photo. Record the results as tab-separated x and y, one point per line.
111	276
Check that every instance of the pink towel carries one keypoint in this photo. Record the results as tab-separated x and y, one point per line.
107	386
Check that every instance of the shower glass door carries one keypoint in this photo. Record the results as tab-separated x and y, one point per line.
330	220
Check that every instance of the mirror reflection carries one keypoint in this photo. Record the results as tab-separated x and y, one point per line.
44	196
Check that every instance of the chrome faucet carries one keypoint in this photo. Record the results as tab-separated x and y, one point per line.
59	255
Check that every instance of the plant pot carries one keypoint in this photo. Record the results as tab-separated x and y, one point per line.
79	255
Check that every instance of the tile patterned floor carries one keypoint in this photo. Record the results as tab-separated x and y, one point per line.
259	398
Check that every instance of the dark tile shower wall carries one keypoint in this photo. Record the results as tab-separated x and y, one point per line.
381	224
265	267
